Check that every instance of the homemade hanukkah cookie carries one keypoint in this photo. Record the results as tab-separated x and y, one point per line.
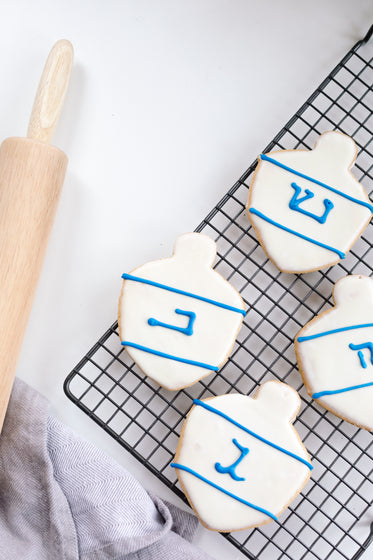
240	460
335	353
178	318
306	207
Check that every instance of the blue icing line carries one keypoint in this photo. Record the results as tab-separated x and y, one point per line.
344	390
168	356
257	436
188	330
295	202
221	489
231	470
368	346
332	189
296	233
362	360
183	293
334	331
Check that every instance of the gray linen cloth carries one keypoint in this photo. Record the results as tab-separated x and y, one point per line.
63	499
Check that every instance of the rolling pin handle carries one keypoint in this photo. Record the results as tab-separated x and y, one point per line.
51	92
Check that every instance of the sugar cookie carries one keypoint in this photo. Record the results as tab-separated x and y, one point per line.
306	206
178	318
335	353
240	460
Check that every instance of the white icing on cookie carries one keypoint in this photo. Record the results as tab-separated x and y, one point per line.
178	338
226	461
293	198
341	363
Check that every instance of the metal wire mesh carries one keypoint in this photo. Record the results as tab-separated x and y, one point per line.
329	518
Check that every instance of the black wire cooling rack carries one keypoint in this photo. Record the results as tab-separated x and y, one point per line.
330	518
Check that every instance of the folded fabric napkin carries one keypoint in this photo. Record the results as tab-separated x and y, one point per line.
63	499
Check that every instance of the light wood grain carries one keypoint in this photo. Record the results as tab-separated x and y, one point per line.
51	92
31	178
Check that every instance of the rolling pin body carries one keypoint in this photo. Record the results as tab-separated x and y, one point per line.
31	178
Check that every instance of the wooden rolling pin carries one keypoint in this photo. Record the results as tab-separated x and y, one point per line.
31	177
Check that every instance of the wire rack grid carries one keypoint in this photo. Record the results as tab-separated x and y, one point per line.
330	518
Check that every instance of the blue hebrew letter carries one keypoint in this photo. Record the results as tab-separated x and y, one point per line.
231	469
188	330
296	200
360	347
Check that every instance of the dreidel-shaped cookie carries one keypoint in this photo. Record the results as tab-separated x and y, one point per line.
178	318
335	352
239	460
306	206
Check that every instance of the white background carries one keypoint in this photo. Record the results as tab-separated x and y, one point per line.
169	102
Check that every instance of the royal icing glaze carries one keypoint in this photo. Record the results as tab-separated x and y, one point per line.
306	206
239	459
335	352
178	318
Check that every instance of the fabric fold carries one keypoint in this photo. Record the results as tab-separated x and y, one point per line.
63	499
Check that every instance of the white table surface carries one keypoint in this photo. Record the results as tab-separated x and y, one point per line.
169	102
